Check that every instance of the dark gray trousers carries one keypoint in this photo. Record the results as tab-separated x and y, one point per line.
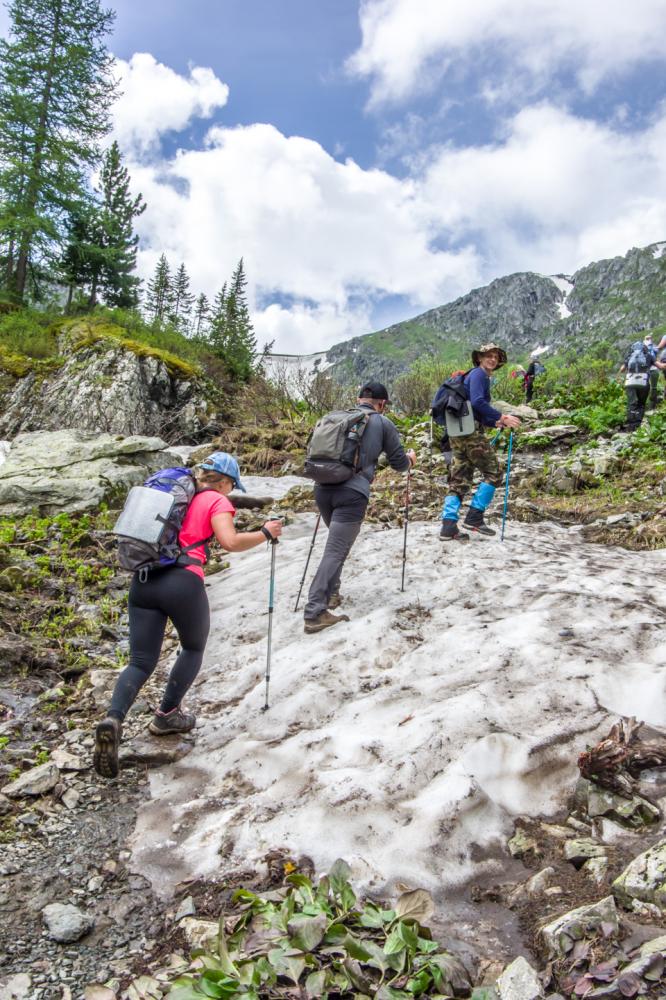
636	399
342	510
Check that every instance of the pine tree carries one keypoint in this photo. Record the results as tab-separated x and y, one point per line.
119	209
183	300
159	299
231	334
56	88
201	315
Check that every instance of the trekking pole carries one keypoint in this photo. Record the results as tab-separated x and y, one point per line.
271	594
307	561
404	543
506	488
496	438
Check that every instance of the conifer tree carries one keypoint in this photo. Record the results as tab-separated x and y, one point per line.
119	209
56	88
159	298
231	334
183	300
201	314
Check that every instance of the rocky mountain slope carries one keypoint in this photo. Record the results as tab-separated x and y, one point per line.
607	301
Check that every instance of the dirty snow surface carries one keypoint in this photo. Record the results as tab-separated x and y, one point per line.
408	739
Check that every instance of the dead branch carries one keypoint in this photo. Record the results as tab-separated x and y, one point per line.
616	761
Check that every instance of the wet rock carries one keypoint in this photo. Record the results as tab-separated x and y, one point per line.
553	413
521	844
36	781
154	752
66	761
560	934
596	869
66	922
519	981
644	879
102	683
581	849
185	909
635	812
71	798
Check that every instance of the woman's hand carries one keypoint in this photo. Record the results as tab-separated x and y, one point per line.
274	528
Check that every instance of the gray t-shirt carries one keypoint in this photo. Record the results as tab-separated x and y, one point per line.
380	436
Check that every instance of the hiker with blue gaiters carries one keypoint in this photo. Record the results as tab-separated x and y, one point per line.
472	450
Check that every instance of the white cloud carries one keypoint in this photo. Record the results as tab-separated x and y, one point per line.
408	44
155	99
327	240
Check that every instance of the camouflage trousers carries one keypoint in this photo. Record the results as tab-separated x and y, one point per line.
473	451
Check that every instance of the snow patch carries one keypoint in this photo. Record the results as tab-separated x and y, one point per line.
408	739
566	286
293	370
658	249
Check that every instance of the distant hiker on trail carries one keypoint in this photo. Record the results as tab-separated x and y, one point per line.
176	592
653	375
533	369
638	361
342	489
661	356
472	450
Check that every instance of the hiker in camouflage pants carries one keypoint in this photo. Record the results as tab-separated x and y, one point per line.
472	450
469	453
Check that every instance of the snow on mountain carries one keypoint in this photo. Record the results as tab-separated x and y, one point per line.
566	286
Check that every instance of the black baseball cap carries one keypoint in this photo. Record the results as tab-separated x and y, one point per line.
373	390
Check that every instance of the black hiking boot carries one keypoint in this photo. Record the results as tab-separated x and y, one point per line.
175	721
107	742
450	532
474	521
334	601
322	621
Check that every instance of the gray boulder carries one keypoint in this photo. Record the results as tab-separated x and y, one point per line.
555	432
560	934
105	385
36	781
66	922
519	981
644	879
74	470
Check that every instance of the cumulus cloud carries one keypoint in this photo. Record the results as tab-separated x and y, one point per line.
155	100
408	44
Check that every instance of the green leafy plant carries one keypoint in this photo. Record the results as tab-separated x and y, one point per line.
322	940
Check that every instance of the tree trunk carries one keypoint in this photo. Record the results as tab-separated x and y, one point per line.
36	161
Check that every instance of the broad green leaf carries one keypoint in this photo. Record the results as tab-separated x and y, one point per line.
312	909
358	978
427	946
388	916
408	935
484	993
323	889
415	905
286	965
183	990
339	874
315	984
210	989
225	962
419	984
246	973
371	916
335	934
303	884
456	978
377	958
394	942
390	993
307	932
356	948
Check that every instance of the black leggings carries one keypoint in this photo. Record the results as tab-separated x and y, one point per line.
177	594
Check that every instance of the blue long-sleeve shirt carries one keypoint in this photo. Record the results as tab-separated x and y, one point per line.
477	384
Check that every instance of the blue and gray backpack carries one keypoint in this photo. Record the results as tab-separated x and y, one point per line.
151	520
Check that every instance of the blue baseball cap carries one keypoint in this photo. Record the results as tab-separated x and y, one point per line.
226	465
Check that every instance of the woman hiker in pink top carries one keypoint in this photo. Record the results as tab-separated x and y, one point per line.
177	593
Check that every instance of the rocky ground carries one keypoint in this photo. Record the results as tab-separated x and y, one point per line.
65	832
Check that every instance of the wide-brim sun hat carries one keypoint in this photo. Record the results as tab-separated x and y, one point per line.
486	349
226	465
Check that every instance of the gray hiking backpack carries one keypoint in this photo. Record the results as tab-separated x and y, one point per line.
639	359
333	448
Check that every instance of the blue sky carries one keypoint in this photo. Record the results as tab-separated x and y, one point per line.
371	159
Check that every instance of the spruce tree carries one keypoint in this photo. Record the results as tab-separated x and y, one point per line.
183	300
159	298
56	89
231	334
119	209
201	315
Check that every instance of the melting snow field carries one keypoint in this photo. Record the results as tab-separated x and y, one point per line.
408	739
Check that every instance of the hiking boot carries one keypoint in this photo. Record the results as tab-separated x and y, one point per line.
450	532
175	721
322	621
334	601
474	521
107	742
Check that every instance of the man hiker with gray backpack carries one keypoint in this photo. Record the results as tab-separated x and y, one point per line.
341	458
638	361
462	405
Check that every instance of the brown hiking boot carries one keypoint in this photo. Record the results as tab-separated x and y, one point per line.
107	742
322	621
334	601
175	721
